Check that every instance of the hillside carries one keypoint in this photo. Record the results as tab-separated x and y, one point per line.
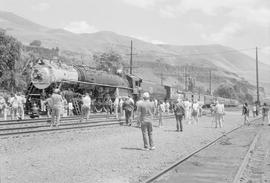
228	65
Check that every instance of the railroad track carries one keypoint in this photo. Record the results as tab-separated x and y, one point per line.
207	170
11	128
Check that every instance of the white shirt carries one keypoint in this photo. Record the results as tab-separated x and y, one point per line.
220	108
86	101
195	106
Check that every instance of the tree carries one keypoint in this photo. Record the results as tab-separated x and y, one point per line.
225	91
10	50
36	43
108	61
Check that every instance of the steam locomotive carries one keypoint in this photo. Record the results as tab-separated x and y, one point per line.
75	80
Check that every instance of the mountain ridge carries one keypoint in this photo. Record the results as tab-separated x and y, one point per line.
173	55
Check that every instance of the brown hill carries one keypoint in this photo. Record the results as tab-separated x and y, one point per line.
228	65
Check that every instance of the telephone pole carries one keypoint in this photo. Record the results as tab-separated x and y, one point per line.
131	61
210	82
257	77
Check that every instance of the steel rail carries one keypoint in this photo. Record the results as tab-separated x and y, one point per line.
156	176
69	126
59	129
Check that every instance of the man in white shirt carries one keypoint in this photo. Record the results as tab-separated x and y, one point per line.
13	101
187	105
86	106
219	109
195	111
21	101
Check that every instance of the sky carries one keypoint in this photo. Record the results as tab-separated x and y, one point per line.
239	24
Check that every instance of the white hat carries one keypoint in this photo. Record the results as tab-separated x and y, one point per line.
146	95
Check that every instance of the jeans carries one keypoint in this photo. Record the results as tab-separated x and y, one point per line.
128	116
179	126
147	130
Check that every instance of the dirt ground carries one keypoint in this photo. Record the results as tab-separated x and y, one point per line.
103	154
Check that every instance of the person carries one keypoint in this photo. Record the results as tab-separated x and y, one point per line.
179	112
195	112
108	105
49	105
57	103
116	106
42	102
21	102
121	102
86	106
254	110
219	111
128	107
13	101
159	113
70	109
265	113
167	107
64	106
34	111
245	113
3	107
145	111
187	105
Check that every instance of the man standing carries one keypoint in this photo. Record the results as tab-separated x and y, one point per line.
21	101
145	111
3	106
219	109
86	105
116	106
265	113
187	105
57	103
13	101
179	111
128	107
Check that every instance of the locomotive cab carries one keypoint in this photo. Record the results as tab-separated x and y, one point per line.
135	84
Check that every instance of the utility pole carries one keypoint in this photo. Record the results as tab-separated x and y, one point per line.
178	77
131	61
257	77
210	82
161	72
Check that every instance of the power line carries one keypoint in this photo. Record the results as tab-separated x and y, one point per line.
206	53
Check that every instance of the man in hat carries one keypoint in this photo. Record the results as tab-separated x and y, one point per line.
145	111
57	102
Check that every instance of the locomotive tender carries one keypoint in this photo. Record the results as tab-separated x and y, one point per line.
49	74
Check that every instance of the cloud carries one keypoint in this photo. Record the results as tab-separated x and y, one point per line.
265	50
80	27
226	33
252	11
41	7
168	12
145	4
147	39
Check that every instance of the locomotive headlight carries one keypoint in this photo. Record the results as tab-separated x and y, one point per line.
41	77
